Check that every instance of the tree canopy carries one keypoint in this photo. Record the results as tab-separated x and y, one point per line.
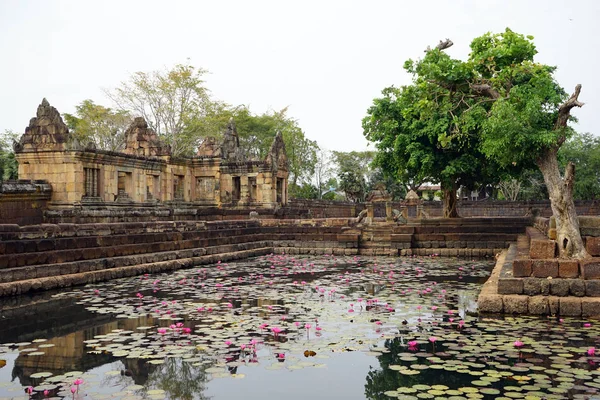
498	111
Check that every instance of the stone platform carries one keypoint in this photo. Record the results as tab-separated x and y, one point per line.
503	293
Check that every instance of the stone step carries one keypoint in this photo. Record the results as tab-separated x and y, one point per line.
82	266
82	278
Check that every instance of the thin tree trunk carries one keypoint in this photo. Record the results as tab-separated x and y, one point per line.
450	202
560	190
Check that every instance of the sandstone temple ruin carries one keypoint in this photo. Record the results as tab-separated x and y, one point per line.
145	173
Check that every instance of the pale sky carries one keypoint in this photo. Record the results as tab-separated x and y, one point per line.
326	60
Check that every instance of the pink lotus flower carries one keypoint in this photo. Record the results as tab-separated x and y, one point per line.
433	339
78	381
318	328
276	330
591	351
412	345
162	331
307	326
587	325
73	389
228	342
29	389
518	344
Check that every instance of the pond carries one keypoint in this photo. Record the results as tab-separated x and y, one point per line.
292	328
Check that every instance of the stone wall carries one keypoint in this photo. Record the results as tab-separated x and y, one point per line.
23	202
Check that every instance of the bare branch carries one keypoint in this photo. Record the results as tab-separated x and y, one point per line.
485	90
442	45
564	111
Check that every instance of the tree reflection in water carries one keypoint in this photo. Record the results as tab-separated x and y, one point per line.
179	379
382	380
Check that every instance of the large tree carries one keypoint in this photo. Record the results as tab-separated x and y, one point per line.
103	127
425	132
525	114
174	102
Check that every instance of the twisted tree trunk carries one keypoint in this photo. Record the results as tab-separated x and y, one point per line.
560	189
450	201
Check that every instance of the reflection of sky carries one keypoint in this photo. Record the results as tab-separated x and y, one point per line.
343	378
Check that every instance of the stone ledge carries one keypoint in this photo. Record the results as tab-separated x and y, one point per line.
490	300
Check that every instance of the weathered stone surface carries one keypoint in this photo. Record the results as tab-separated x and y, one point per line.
592	288
491	303
538	305
559	287
521	267
510	286
576	287
568	268
553	304
570	306
590	307
592	245
532	286
545	268
540	248
515	304
590	268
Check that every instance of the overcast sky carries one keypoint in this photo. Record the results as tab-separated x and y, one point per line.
326	60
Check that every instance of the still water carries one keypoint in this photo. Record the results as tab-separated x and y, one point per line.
291	328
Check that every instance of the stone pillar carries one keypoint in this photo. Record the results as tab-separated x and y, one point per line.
389	217
370	211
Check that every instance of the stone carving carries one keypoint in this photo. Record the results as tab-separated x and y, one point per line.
277	159
46	131
411	195
140	140
209	148
398	217
379	194
230	148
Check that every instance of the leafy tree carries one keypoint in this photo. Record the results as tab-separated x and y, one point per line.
257	132
353	168
9	167
584	151
175	103
323	171
416	131
99	125
517	110
304	191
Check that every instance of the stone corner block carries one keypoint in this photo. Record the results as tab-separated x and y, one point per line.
521	267
538	305
590	307
490	303
592	245
542	248
510	286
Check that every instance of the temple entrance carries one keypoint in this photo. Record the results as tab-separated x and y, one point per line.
236	189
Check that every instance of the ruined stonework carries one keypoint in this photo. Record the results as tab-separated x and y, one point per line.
46	131
145	174
142	141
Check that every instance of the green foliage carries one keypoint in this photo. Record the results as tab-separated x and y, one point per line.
354	169
174	102
8	163
584	151
99	125
304	191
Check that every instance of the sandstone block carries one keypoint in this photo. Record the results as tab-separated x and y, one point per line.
532	286
545	268
510	286
577	287
568	268
570	306
521	267
592	245
491	303
553	304
592	288
538	305
590	307
590	268
559	287
515	304
542	248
